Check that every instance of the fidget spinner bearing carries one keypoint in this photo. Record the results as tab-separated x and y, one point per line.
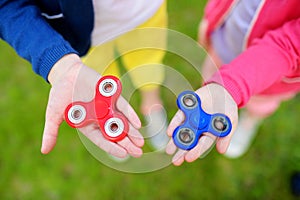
112	124
197	122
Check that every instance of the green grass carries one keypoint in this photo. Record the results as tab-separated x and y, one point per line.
71	172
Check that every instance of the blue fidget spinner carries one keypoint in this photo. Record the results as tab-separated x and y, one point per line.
197	122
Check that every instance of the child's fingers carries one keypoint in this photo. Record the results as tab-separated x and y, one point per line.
131	148
49	136
171	147
176	121
223	143
194	153
178	158
52	122
135	136
129	112
204	144
94	135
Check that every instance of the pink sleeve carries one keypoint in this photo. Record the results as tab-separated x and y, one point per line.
215	11
263	64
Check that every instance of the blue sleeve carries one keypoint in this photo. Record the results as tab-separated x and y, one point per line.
23	27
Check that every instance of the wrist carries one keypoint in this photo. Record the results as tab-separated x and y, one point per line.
68	65
218	91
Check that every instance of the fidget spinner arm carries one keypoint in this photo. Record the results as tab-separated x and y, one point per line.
101	110
197	121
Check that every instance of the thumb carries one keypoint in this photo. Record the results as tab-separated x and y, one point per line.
53	120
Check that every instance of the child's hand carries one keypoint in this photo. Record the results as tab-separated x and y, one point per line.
67	75
215	99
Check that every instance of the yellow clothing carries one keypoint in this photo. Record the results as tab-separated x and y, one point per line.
143	64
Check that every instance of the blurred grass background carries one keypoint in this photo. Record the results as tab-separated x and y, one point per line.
70	172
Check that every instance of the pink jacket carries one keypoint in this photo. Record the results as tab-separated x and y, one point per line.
270	63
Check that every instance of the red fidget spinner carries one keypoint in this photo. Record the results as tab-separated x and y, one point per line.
113	124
